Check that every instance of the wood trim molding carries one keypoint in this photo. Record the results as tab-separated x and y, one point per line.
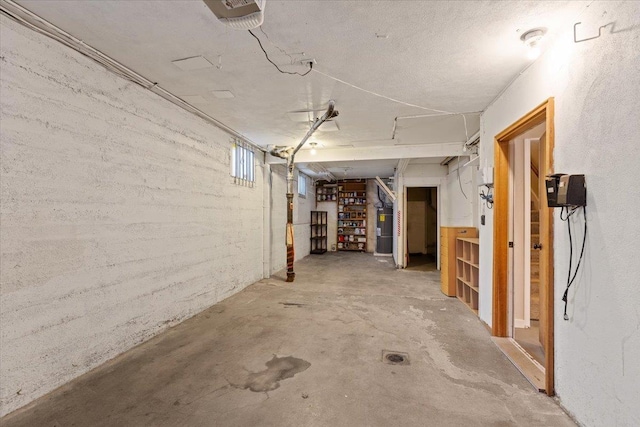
500	322
526	122
500	239
547	241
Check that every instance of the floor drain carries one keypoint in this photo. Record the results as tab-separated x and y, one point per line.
395	357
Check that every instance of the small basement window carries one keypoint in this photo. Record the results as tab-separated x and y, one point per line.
302	185
242	164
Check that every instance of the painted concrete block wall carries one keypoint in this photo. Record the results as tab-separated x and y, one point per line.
461	193
596	85
119	216
303	205
278	217
332	222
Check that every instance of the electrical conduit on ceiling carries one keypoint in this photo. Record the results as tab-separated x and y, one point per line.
395	121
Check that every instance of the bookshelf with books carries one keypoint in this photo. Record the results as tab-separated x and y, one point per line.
326	192
352	215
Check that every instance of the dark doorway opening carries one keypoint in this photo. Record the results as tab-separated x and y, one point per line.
422	228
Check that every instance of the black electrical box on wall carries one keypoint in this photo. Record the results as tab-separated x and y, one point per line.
566	190
552	190
572	191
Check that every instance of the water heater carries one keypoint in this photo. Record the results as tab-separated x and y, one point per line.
384	231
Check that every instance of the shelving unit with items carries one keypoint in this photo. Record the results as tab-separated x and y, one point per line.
318	232
467	271
448	236
352	215
326	192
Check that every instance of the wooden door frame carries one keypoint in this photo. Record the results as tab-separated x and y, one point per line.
543	112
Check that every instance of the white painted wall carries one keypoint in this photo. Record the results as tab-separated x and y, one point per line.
119	216
417	173
278	217
303	205
460	207
432	233
332	222
596	85
302	208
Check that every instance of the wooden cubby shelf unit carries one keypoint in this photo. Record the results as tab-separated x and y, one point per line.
467	271
352	215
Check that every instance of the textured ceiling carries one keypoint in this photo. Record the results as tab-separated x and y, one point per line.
452	56
357	169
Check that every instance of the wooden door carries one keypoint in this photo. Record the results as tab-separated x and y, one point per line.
416	226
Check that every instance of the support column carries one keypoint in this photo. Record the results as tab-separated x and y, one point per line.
290	238
289	154
290	250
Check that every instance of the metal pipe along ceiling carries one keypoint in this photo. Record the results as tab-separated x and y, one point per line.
330	113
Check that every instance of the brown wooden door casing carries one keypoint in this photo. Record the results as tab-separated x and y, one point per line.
542	113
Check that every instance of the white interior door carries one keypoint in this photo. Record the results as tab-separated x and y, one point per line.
520	229
526	231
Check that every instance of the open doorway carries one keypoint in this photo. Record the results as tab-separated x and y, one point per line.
523	246
525	186
422	228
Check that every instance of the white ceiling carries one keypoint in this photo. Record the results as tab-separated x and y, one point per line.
452	56
359	169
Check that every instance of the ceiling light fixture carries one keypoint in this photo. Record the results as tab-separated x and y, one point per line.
313	148
531	39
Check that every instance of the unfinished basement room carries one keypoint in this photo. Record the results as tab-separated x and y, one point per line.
319	213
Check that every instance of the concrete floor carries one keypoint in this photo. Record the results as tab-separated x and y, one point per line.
310	354
422	262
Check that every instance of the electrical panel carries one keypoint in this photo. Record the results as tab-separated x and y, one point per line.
566	190
485	176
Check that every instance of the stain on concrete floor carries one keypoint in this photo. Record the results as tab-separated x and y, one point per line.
278	369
